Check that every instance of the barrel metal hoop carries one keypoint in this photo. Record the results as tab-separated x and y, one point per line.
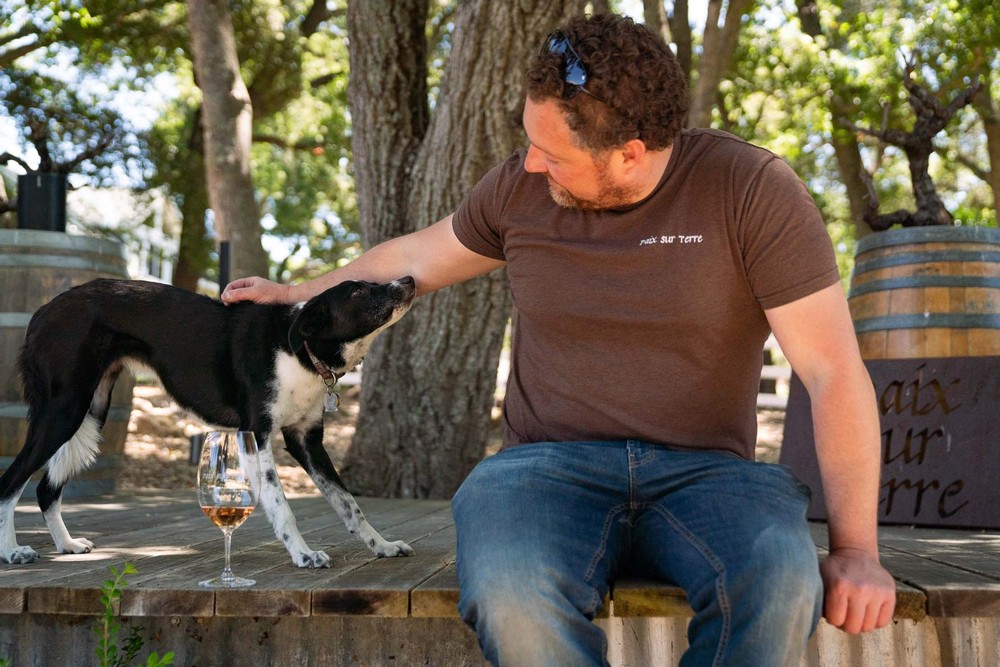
28	238
61	262
928	321
863	265
911	282
933	234
20	411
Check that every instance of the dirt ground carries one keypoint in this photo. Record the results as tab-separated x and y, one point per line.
158	444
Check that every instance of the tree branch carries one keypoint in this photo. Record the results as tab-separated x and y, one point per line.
9	157
98	148
9	56
282	143
38	136
980	172
25	30
317	14
321	81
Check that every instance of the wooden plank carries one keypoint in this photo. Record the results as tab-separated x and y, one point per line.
958	570
82	601
437	597
644	597
313	515
167	602
12	600
263	601
975	551
950	591
382	587
280	592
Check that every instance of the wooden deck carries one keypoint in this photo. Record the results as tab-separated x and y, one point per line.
48	607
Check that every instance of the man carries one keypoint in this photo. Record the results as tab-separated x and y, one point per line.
647	266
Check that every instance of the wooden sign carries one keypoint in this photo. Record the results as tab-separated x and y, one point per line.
940	449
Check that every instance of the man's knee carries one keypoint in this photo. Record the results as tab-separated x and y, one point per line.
521	617
781	574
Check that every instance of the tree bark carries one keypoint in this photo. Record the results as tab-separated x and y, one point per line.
988	109
655	16
228	121
429	380
680	29
720	44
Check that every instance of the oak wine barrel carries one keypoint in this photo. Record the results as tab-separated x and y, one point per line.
35	266
923	292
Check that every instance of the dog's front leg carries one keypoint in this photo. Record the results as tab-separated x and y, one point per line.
314	458
272	497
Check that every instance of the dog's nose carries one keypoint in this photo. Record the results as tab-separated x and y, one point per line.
406	280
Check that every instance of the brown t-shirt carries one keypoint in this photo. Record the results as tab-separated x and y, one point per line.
647	323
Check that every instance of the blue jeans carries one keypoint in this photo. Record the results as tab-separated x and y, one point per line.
543	529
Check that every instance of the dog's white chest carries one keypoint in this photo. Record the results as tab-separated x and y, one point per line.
298	393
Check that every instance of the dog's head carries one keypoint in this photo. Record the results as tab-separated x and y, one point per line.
341	323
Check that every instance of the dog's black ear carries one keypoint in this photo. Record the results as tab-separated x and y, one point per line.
309	321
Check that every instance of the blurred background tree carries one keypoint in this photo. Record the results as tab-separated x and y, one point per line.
294	60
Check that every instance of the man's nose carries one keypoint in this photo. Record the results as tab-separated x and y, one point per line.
534	163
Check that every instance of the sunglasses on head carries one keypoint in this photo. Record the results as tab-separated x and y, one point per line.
574	71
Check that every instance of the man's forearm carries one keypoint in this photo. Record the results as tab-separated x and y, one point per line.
380	264
848	442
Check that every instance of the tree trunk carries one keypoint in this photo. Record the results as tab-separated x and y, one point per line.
429	380
847	151
228	120
192	253
989	111
680	29
655	16
846	147
720	44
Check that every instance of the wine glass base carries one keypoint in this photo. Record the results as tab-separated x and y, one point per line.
227	582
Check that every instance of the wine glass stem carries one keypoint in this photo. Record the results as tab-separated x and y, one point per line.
228	572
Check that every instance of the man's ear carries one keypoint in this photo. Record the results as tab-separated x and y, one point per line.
632	152
309	321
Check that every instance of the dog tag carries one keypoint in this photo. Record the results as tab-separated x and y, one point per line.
332	402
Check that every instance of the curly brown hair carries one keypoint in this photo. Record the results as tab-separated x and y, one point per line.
640	90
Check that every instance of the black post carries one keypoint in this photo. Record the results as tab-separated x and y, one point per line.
223	265
41	202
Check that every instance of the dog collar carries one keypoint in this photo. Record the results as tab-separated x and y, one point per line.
332	403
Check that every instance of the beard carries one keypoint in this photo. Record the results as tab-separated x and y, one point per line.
610	195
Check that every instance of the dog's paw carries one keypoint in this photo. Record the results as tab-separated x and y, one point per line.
80	546
393	549
19	555
312	559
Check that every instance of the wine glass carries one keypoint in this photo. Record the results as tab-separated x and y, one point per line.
228	485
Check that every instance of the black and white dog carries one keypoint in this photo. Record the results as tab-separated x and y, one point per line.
247	366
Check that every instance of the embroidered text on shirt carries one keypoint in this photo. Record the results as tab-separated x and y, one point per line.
673	238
